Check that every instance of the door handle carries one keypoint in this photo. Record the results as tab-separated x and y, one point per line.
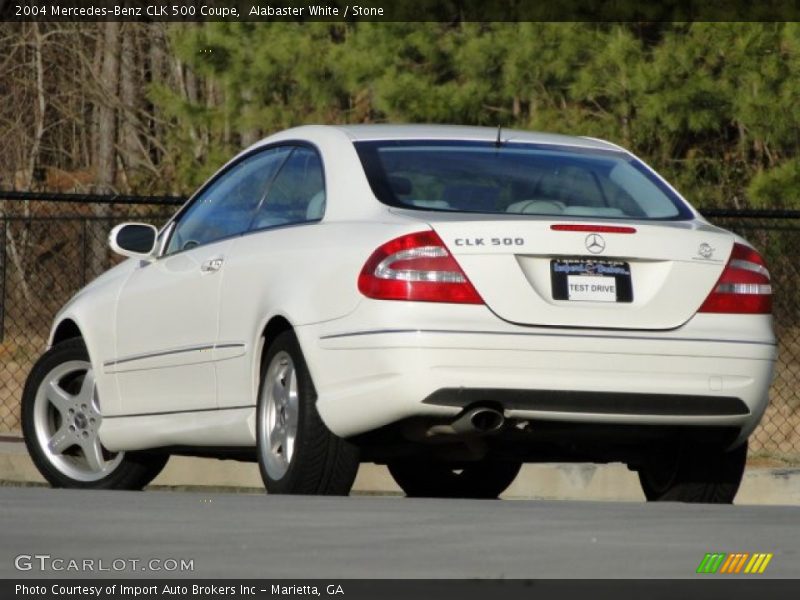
212	265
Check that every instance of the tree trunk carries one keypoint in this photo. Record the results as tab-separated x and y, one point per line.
105	163
129	94
158	73
106	113
249	135
18	247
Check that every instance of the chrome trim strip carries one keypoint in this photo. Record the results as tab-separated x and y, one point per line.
521	333
200	348
180	412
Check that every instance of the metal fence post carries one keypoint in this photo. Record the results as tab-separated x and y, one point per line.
84	253
3	237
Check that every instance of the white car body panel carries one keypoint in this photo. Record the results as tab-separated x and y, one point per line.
669	290
369	362
264	266
168	339
167	320
208	428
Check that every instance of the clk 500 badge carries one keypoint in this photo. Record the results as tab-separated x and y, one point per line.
504	241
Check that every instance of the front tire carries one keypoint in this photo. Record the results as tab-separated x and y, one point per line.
694	474
431	479
60	421
297	453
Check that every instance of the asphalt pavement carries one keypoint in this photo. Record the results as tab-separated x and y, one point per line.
253	535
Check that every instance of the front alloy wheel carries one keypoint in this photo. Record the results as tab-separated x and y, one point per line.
60	420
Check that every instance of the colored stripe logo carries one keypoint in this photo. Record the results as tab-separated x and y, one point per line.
734	563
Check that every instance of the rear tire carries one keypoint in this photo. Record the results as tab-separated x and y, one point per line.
297	453
694	474
429	479
60	419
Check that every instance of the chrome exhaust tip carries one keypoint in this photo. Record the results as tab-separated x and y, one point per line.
486	420
480	420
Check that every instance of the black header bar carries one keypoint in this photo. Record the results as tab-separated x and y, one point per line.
705	587
400	10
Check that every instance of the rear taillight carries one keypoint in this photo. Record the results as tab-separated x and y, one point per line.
743	287
418	267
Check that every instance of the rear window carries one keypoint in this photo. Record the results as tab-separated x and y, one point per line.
526	179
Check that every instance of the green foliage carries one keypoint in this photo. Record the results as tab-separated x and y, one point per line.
711	105
777	187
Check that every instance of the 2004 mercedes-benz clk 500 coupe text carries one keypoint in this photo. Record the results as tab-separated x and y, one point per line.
452	302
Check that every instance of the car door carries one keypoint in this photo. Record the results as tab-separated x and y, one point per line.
264	267
168	310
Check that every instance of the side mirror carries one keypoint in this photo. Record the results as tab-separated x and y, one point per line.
136	240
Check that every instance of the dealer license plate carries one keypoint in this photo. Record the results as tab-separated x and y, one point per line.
587	280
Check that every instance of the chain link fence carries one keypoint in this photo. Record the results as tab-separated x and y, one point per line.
777	235
52	245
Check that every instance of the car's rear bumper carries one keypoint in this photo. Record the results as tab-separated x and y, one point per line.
367	378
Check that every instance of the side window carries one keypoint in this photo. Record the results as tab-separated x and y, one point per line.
296	195
227	206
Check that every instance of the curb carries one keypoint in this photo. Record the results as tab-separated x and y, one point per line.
557	481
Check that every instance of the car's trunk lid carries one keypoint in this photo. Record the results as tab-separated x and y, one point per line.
546	272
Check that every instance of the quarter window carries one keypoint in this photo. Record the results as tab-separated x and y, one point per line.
296	195
227	206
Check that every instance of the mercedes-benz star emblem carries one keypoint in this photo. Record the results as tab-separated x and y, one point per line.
595	243
705	250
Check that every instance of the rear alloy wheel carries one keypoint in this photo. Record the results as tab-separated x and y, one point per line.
432	479
60	421
694	474
297	453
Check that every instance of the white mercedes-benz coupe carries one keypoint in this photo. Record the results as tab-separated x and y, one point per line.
452	302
